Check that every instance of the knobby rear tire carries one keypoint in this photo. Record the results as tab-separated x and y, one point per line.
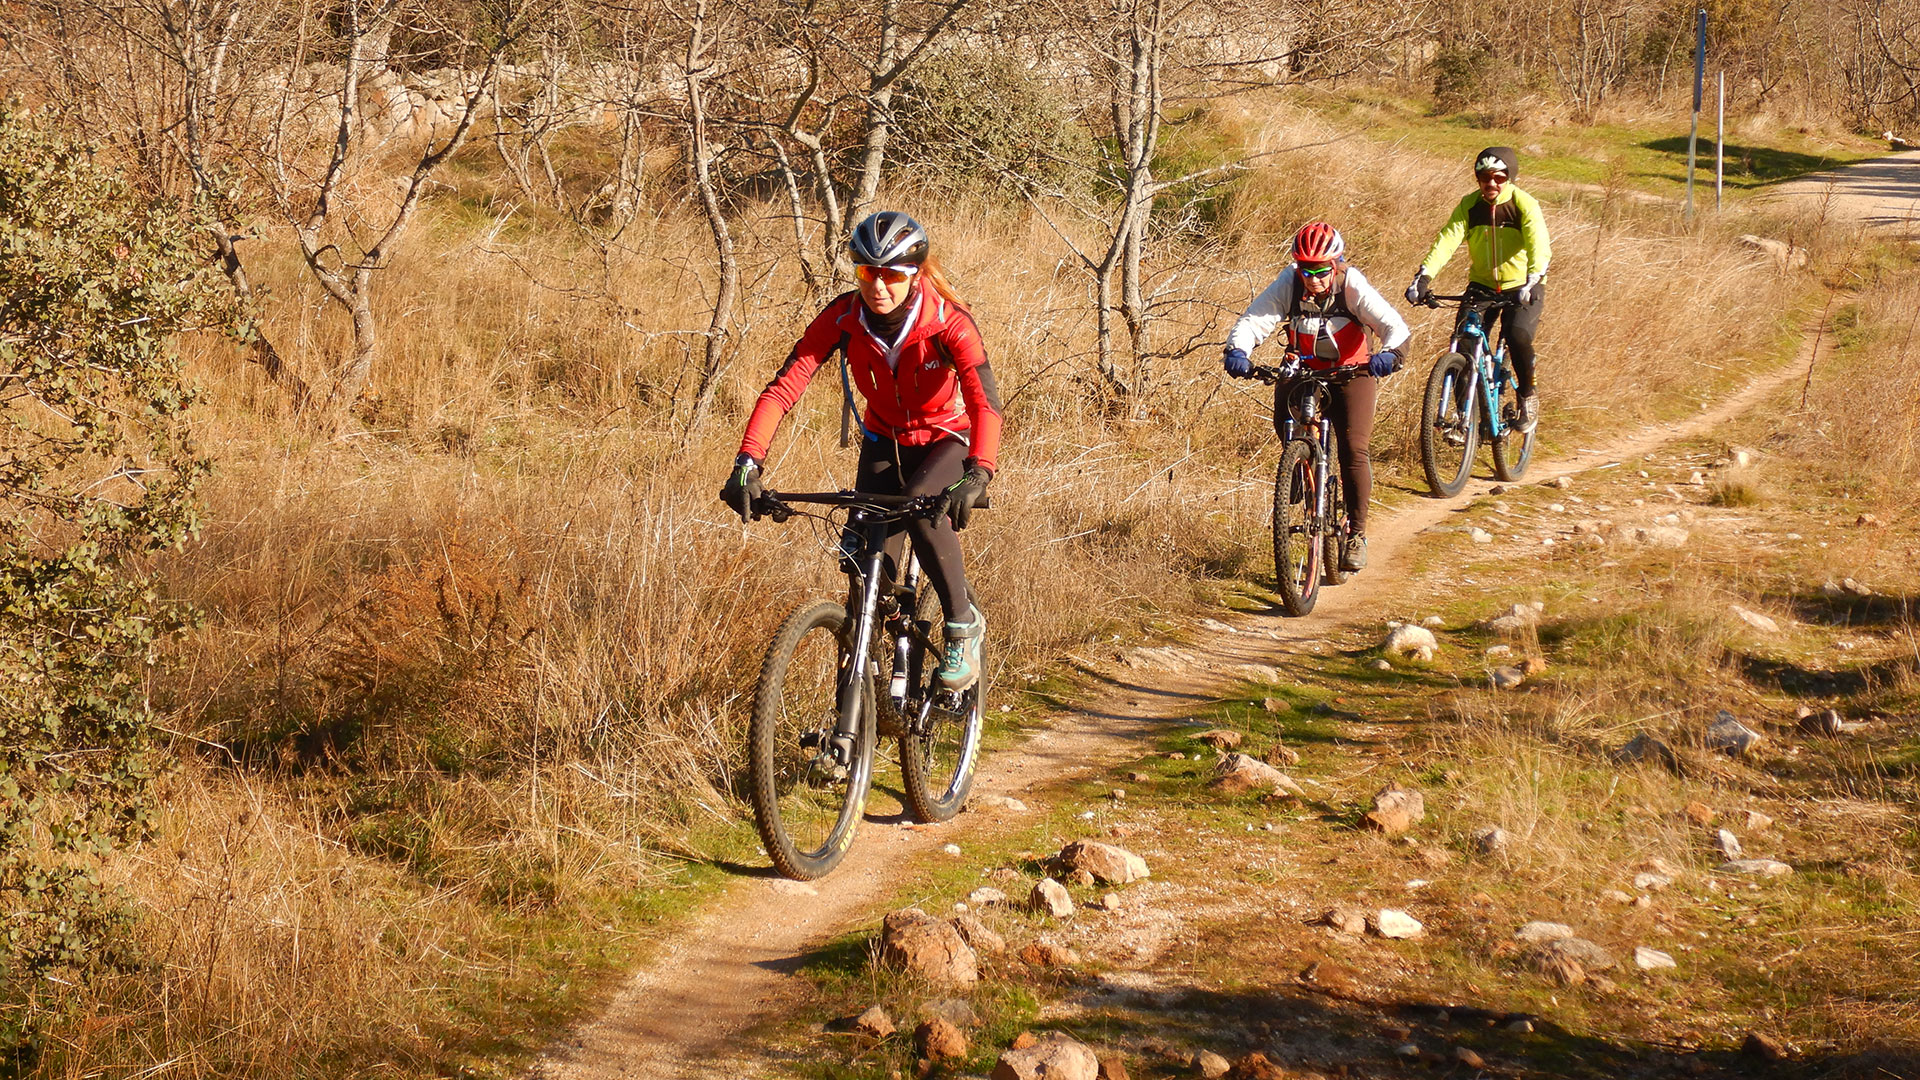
937	769
1449	413
807	815
1513	451
1298	548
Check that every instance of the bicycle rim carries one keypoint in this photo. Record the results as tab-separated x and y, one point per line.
1513	450
1449	431
1331	541
937	765
1296	532
805	804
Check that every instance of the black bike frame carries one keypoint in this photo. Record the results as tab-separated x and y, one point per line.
1311	390
1488	374
872	518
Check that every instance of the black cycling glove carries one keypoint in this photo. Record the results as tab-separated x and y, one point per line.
743	486
966	491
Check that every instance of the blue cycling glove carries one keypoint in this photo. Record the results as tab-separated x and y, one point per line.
1237	363
1383	363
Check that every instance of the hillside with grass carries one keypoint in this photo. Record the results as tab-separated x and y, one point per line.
454	727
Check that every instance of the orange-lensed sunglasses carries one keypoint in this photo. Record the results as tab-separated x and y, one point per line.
892	275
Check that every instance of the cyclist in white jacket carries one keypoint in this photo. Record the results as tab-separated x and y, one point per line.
1328	307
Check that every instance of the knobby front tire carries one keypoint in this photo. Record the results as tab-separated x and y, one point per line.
1449	426
806	808
1298	548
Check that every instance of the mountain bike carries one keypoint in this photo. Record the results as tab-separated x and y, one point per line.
1309	512
818	712
1468	397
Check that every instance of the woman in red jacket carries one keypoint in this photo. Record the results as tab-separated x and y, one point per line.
932	422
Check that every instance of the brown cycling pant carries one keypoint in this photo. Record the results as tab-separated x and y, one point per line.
1351	412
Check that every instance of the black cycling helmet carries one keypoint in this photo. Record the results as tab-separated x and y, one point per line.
1497	159
888	238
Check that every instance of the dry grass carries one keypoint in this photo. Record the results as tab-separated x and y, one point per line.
485	659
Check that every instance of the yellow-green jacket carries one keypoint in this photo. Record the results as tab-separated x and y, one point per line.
1507	241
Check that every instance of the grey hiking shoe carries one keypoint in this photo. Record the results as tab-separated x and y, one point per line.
960	667
1355	556
1527	416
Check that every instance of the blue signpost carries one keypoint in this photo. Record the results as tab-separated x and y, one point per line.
1699	88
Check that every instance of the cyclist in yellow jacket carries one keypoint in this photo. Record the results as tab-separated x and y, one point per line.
1506	238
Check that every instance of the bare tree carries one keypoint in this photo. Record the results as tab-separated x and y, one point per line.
699	68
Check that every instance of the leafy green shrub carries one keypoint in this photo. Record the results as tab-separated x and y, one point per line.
1463	76
975	113
96	473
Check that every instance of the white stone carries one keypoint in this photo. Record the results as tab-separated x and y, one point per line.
1762	867
1756	620
1480	536
1408	640
1389	923
1652	959
986	896
1051	897
1727	844
1537	933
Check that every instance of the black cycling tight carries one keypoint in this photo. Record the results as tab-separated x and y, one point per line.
888	468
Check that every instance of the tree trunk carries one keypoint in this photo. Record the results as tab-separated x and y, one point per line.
700	172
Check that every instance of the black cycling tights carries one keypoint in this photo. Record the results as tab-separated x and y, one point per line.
887	468
1519	323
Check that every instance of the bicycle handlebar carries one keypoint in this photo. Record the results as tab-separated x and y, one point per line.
1484	303
1295	368
774	504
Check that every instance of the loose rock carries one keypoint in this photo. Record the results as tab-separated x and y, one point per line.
1761	867
1108	864
1405	639
1468	1058
1257	1066
1389	923
1280	755
929	948
1825	722
1396	809
1648	881
1755	821
1761	1047
1274	705
1490	840
1507	678
1645	749
1588	955
938	1039
1112	1068
978	935
874	1022
1480	536
1211	1065
1727	844
1345	919
1053	1056
1240	772
1433	622
1003	802
1730	736
1220	738
1051	897
986	896
1759	622
1046	954
1652	959
1699	813
1539	933
955	1011
1378	664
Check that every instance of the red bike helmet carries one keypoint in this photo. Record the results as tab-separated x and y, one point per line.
1318	242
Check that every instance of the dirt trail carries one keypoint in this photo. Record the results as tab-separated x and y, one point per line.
1882	194
683	1016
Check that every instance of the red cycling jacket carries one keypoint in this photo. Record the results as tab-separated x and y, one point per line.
940	388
